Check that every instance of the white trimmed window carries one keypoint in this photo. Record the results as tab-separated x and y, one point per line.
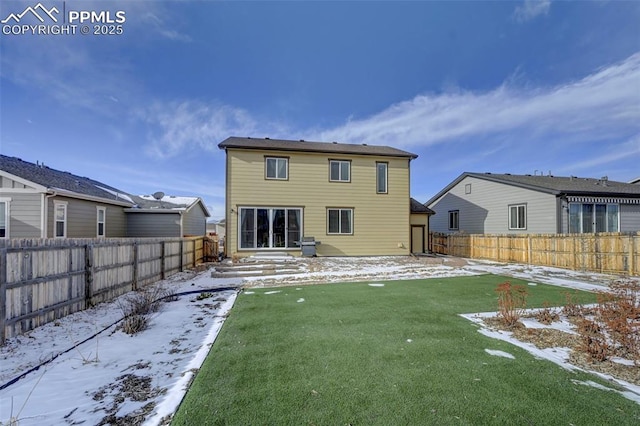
276	168
60	219
381	177
518	216
340	171
4	217
340	221
101	219
454	220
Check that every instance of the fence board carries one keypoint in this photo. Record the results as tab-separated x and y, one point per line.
42	280
613	253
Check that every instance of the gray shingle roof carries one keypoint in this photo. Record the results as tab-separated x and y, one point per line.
327	147
56	179
417	207
556	185
564	185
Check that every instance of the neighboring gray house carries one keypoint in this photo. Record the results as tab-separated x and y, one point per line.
487	203
166	216
39	202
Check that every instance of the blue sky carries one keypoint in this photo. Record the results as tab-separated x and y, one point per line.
502	87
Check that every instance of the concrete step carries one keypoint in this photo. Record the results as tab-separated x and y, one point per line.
240	273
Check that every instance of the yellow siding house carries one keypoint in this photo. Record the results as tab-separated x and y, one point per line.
353	199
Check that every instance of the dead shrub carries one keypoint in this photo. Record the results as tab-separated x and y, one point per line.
138	306
511	303
135	323
546	315
619	312
593	341
571	307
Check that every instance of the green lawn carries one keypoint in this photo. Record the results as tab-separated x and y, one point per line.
343	357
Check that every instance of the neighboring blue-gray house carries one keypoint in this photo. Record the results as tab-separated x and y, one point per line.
488	203
40	202
166	216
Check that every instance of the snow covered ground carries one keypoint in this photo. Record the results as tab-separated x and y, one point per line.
116	378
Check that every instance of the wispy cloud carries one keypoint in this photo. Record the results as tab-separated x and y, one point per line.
600	105
162	28
531	9
182	126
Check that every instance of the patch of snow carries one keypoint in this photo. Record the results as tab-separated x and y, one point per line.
249	292
376	285
557	355
622	361
532	284
409	340
630	395
499	353
300	300
272	292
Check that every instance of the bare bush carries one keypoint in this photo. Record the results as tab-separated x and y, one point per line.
511	303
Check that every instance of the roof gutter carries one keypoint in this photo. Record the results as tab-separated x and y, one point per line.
45	213
71	194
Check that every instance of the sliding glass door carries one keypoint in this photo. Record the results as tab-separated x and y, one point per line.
270	227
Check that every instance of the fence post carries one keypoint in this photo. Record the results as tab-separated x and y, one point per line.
3	293
135	266
88	274
181	255
631	263
194	253
162	262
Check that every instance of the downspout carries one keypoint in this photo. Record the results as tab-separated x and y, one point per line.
45	213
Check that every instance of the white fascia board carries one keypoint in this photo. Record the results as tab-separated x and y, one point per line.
34	186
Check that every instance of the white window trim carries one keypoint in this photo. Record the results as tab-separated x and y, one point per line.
340	210
7	216
340	179
517	206
104	221
66	218
277	159
386	177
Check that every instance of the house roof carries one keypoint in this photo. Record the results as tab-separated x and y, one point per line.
165	204
304	146
417	207
64	182
556	185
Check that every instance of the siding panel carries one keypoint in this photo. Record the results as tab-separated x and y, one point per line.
381	221
485	210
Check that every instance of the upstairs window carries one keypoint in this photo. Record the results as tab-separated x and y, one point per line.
339	171
277	168
518	217
454	220
381	177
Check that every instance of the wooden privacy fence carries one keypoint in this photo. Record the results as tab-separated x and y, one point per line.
45	279
614	253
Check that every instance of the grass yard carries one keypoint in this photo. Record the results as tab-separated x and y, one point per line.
353	354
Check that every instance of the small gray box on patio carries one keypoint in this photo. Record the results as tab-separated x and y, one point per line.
308	245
